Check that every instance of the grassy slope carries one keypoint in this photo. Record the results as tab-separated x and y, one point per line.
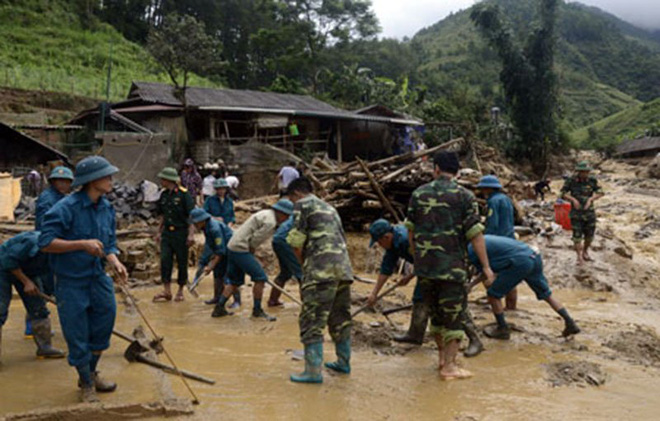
455	52
628	123
45	47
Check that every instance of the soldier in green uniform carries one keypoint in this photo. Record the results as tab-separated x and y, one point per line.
582	190
175	233
443	218
319	242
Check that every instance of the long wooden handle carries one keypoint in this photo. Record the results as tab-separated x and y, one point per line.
382	294
283	291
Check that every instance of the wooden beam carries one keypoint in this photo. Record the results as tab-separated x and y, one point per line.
384	200
339	143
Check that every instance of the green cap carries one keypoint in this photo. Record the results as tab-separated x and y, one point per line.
583	166
61	173
220	183
379	228
170	174
285	206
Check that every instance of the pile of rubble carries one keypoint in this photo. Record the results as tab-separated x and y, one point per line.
134	204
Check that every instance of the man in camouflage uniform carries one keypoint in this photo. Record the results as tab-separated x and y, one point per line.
319	243
442	218
582	190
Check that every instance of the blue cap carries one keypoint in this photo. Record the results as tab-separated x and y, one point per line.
62	173
489	181
199	215
220	183
92	168
377	229
285	206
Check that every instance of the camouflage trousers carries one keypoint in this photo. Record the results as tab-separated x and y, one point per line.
447	304
583	224
327	303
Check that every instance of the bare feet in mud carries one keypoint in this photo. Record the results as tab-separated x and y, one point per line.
454	372
586	257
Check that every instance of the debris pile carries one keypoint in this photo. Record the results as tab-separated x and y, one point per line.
579	373
134	204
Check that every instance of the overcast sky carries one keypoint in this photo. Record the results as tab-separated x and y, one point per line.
401	18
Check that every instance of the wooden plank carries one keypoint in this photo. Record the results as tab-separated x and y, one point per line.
384	200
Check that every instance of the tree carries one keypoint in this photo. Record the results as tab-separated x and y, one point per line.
528	79
181	46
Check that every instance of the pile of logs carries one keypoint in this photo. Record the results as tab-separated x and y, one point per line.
364	191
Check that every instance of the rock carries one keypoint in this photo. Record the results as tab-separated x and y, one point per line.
624	251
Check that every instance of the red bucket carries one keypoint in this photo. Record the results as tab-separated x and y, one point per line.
563	215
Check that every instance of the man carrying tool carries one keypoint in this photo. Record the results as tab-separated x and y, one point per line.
23	266
214	258
60	185
442	218
220	205
499	220
514	262
582	190
289	264
394	240
175	233
319	242
80	233
242	246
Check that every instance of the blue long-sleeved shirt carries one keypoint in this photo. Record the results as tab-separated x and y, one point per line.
220	209
400	250
217	236
500	216
76	218
284	251
46	200
22	252
503	253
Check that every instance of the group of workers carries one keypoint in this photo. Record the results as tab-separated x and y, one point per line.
75	238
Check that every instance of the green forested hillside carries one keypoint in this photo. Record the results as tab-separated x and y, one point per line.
605	65
44	46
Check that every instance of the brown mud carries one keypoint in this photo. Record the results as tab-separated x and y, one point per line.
609	371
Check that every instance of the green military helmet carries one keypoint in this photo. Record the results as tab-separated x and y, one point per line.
377	229
199	215
61	172
285	206
91	169
583	166
170	174
220	183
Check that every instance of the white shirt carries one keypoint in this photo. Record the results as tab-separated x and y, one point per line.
232	181
287	175
207	185
257	229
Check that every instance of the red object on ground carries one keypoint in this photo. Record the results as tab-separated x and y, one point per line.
563	215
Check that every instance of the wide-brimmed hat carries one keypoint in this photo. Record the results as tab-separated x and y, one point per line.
61	173
92	168
285	206
583	166
189	163
377	229
199	215
489	182
220	183
170	174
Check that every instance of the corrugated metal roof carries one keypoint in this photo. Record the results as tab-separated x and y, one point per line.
638	145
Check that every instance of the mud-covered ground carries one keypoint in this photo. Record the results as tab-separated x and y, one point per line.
610	371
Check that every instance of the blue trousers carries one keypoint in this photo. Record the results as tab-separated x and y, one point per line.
241	263
289	265
87	311
34	305
525	268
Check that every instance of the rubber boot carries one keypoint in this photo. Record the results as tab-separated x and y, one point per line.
417	329
498	332
259	313
42	337
570	329
343	363
475	347
88	394
313	360
102	385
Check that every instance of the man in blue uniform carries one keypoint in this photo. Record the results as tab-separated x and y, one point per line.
23	266
221	206
514	261
60	185
499	220
80	233
214	258
394	240
289	264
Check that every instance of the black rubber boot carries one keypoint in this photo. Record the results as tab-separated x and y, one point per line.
497	332
259	313
417	329
570	329
220	311
475	347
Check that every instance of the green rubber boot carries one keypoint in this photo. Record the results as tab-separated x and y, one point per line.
313	360
343	363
